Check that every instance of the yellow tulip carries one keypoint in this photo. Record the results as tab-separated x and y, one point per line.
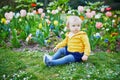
48	41
3	20
55	22
40	25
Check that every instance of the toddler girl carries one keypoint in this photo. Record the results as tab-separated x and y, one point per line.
74	48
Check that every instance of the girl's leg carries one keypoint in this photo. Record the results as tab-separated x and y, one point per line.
60	61
59	53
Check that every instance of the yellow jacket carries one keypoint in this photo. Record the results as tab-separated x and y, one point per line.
79	42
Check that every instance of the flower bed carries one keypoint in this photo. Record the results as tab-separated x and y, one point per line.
47	28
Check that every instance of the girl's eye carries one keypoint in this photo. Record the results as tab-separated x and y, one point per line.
73	25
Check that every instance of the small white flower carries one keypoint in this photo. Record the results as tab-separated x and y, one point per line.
107	29
103	28
4	76
48	11
113	21
88	76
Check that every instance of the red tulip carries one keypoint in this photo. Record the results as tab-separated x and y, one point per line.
108	9
33	4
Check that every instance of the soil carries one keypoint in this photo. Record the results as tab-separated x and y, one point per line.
32	47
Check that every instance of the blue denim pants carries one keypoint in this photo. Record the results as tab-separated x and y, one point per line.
62	57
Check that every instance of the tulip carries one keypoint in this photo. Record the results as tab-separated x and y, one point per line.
37	32
80	8
89	15
40	25
23	13
82	17
114	34
106	40
99	25
29	37
33	4
108	14
55	22
53	12
51	27
48	21
93	12
108	9
9	15
42	15
40	10
3	20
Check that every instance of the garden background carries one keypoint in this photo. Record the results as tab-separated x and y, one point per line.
31	28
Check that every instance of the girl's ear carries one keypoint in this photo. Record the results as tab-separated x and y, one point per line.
67	25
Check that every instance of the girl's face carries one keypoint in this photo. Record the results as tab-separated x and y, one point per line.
74	27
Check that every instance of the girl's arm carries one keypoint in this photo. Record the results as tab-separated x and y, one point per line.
86	43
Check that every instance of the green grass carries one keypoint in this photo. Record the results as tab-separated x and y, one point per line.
29	66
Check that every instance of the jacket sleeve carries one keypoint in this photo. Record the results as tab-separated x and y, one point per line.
86	43
63	43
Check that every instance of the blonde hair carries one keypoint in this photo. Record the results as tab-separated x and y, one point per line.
73	19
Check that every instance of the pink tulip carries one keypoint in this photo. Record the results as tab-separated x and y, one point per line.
99	25
108	14
9	15
89	15
42	15
23	13
80	8
93	12
53	12
40	10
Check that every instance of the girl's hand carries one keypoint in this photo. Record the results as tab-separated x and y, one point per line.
55	49
85	58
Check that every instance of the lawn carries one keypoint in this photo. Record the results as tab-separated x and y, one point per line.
29	65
